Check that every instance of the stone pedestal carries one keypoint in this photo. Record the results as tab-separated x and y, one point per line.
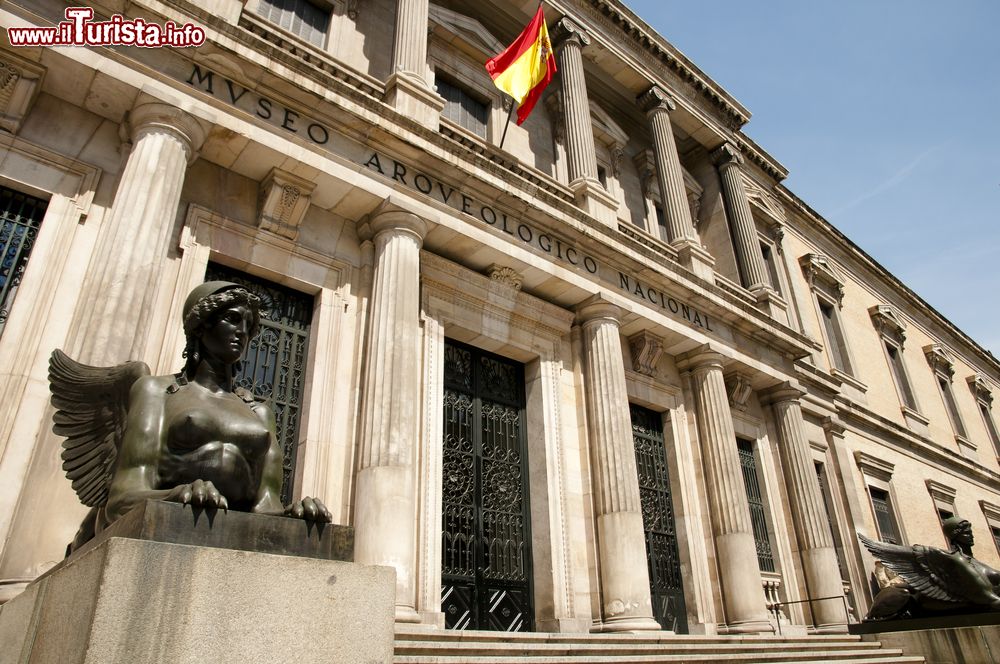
407	90
130	601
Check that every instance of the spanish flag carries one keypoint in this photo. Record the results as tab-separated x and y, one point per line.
526	66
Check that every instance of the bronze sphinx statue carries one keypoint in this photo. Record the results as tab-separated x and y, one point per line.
935	581
191	437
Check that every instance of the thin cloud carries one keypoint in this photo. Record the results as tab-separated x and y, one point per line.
890	182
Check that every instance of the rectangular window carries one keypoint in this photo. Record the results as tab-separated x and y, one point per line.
463	108
299	17
602	175
835	337
949	403
996	537
884	517
772	267
758	513
20	217
899	375
991	427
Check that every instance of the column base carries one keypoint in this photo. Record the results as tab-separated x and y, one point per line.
563	625
695	257
430	620
748	627
406	614
591	197
632	625
410	95
830	629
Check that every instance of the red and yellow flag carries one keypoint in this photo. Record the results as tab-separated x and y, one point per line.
526	66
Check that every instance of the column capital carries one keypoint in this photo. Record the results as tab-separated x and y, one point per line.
656	99
788	391
727	154
704	358
158	116
388	218
598	308
568	31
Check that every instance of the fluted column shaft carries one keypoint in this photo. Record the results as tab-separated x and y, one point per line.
741	223
736	551
819	557
580	149
409	53
121	286
669	174
385	532
624	577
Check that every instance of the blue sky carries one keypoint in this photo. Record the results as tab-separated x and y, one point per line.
885	113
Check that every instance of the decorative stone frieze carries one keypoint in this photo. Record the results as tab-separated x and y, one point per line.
507	276
940	359
646	349
888	322
739	388
284	201
20	83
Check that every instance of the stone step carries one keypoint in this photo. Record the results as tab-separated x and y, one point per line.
472	648
452	636
846	657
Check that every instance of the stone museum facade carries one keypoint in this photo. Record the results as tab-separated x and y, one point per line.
612	376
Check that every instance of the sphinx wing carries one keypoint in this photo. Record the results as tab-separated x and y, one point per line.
91	409
924	568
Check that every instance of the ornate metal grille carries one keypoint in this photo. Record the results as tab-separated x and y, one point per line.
275	365
665	584
486	552
758	516
20	217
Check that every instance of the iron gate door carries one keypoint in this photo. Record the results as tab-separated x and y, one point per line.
486	545
274	368
665	585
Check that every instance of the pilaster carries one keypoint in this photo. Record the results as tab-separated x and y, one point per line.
386	482
626	604
736	551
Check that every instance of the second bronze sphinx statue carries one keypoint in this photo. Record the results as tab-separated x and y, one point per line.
192	437
934	581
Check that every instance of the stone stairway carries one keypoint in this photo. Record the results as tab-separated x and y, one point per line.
422	646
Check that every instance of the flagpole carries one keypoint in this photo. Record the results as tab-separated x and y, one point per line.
507	124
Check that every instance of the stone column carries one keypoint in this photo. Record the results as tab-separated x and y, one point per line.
736	551
407	89
384	520
119	292
581	154
741	223
657	105
624	577
816	550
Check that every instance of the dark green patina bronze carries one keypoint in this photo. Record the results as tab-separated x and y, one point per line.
189	438
938	582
